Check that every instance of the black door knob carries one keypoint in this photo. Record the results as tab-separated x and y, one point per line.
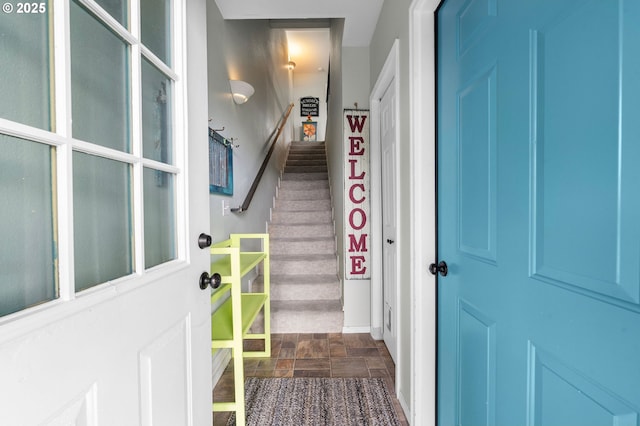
390	241
213	280
204	240
441	267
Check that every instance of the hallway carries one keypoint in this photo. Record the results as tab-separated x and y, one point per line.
315	355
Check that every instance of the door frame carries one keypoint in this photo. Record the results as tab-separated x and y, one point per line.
422	90
390	73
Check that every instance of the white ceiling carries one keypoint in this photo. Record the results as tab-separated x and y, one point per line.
309	49
360	16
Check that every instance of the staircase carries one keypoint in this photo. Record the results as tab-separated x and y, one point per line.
305	290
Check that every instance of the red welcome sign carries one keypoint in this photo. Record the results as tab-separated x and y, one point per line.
356	195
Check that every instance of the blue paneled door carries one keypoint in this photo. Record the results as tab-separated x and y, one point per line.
539	212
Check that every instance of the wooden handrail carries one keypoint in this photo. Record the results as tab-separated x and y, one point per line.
247	201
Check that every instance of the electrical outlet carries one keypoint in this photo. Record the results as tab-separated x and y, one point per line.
225	207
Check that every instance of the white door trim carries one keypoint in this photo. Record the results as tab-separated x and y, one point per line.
390	72
422	88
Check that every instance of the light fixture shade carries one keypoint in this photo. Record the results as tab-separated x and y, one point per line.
241	91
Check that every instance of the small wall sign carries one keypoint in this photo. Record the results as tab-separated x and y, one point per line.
309	106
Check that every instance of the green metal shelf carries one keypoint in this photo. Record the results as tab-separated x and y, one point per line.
231	322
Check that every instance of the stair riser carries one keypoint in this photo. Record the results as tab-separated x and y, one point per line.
305	159
300	290
324	246
290	176
303	185
321	230
305	169
307	145
304	292
309	194
303	155
297	267
302	322
295	218
321	158
305	205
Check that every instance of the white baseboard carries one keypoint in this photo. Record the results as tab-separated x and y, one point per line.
219	361
405	406
376	333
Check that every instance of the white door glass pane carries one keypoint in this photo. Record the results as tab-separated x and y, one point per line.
156	27
103	230
117	9
99	82
27	224
24	66
156	114
159	217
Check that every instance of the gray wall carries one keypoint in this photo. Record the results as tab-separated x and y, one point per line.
393	23
355	79
334	136
253	52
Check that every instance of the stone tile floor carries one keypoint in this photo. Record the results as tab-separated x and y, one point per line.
315	355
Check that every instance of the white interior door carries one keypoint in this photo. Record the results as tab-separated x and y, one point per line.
389	208
104	180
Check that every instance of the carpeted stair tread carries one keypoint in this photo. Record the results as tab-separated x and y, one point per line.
303	184
302	287
302	217
301	230
297	245
306	176
315	306
301	257
303	205
305	169
305	194
304	279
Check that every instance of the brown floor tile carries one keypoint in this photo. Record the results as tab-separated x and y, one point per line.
312	364
375	363
287	353
284	364
312	349
359	340
362	352
381	372
337	350
349	367
283	373
266	364
311	373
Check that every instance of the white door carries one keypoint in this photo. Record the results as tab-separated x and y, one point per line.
389	208
103	181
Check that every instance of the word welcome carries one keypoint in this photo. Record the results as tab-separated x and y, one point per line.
357	205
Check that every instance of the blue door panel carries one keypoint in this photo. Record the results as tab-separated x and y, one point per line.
558	392
477	157
539	212
474	18
476	380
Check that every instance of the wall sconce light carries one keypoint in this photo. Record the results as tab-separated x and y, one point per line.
291	65
241	91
